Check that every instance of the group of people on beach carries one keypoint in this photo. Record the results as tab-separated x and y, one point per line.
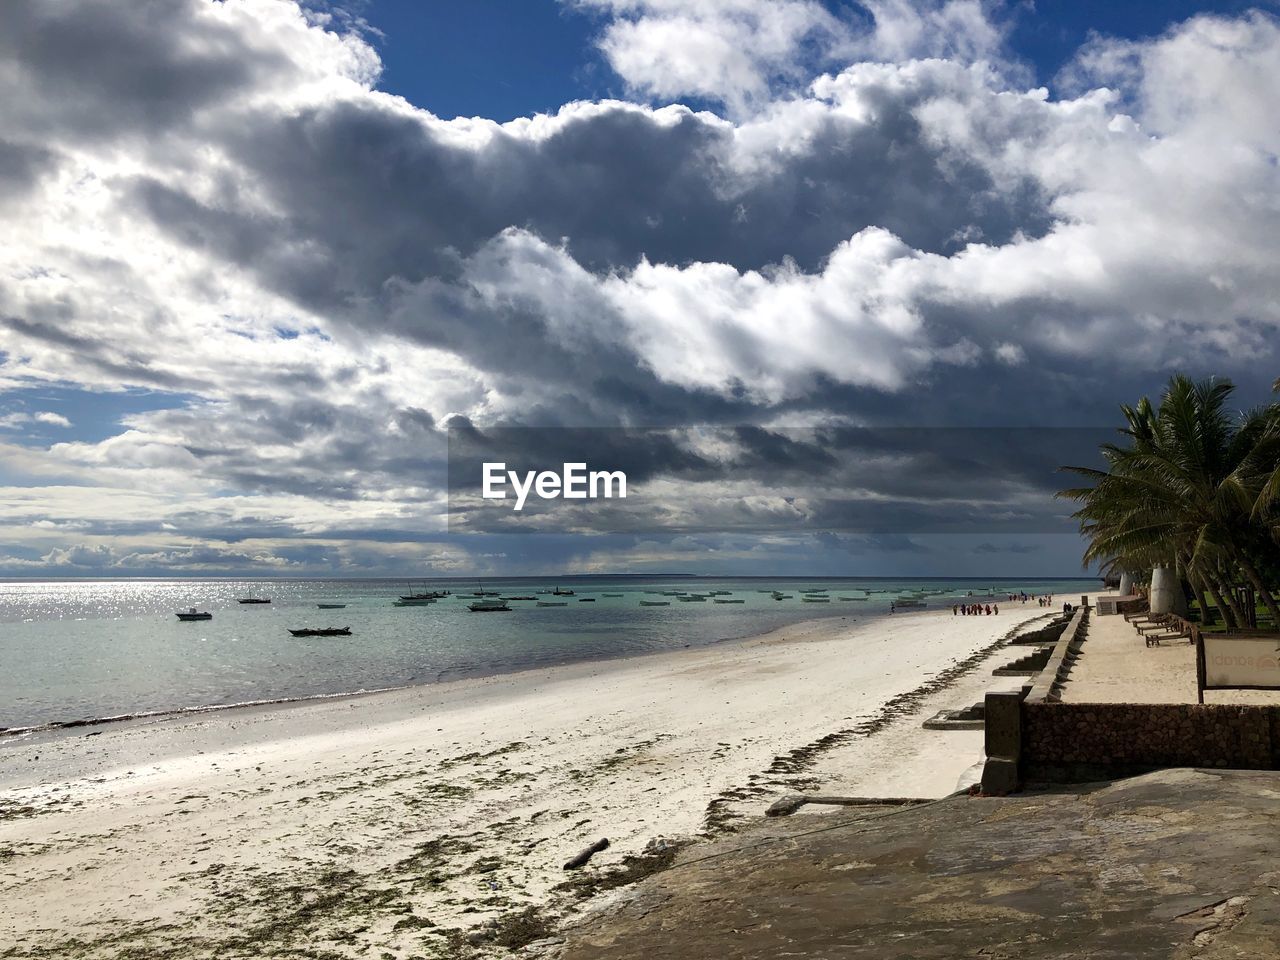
975	610
1044	599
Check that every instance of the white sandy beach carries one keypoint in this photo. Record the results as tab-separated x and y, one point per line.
390	820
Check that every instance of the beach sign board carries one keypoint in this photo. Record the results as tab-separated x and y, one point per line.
1230	662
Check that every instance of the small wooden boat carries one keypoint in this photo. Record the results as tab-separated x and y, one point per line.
725	600
254	600
553	603
519	598
322	632
488	606
782	596
610	594
655	603
194	614
816	599
331	606
557	592
909	604
586	599
424	595
415	602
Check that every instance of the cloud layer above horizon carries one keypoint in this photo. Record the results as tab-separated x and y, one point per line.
878	218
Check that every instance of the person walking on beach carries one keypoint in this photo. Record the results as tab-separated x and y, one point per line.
995	609
892	606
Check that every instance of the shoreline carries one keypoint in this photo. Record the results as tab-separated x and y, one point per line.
56	727
438	809
41	699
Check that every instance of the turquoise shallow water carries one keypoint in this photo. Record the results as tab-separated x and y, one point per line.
77	650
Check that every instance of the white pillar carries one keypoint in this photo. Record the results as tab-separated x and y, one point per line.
1126	584
1164	590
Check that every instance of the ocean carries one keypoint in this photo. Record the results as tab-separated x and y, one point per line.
77	650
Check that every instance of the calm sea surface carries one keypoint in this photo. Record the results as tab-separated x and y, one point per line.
76	650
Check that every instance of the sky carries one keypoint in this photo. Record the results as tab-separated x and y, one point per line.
258	260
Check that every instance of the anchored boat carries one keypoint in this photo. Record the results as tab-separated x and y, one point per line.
322	632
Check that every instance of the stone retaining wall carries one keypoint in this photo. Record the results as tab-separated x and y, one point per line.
1081	741
1032	735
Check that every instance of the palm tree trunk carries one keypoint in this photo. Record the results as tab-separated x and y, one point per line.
1268	601
1225	599
1203	593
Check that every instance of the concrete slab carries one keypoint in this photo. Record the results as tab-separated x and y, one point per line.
1177	864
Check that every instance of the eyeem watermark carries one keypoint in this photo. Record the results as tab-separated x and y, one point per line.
574	482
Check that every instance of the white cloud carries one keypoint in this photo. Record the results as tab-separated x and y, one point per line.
1010	353
724	50
745	52
11	421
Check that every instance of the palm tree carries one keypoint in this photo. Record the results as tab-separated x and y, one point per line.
1194	488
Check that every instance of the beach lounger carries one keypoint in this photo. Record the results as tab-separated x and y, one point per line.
1156	639
1174	627
1145	618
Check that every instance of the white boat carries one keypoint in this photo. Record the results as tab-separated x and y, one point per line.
488	606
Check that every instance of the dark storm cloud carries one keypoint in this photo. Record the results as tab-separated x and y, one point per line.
873	544
378	194
336	451
1008	548
96	69
21	164
884	482
378	215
